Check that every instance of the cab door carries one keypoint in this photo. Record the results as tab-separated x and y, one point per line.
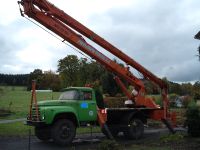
87	106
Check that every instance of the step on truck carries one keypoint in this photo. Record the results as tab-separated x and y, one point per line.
59	119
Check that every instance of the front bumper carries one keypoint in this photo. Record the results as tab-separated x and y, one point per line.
35	123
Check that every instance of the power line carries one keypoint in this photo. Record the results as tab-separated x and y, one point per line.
63	41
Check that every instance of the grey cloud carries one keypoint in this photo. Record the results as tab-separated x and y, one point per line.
157	34
190	71
10	45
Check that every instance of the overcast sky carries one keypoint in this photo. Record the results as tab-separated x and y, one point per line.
158	34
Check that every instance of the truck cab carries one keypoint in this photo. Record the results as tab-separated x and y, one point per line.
85	102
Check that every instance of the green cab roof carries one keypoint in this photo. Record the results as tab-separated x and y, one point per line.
76	88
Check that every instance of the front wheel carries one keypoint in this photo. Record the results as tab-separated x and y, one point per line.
135	129
63	131
43	133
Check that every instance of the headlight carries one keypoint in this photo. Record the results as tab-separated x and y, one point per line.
42	114
43	117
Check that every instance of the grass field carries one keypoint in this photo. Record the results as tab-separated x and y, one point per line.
17	100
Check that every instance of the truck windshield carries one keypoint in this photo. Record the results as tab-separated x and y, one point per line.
69	95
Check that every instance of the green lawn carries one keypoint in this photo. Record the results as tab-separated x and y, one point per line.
15	129
19	129
17	100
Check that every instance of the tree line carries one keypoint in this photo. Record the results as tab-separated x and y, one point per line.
14	80
74	71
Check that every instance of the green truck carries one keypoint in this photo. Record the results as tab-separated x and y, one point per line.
77	107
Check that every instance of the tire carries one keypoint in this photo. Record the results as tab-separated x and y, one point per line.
44	133
114	132
63	132
135	130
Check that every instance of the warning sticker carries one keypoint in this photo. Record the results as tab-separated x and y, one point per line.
84	105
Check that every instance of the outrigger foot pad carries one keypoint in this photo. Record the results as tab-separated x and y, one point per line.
169	126
109	135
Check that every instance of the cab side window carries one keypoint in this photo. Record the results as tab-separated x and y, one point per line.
69	95
87	95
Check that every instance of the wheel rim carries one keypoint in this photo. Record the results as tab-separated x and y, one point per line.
137	128
64	132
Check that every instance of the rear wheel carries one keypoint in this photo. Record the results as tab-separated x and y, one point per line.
135	130
63	131
43	133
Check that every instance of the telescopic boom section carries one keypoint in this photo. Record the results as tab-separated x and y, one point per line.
62	16
63	25
51	22
55	12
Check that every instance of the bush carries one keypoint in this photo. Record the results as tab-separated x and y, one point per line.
187	100
172	99
1	91
193	120
171	137
196	95
109	145
114	102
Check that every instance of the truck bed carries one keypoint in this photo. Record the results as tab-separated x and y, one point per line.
116	116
